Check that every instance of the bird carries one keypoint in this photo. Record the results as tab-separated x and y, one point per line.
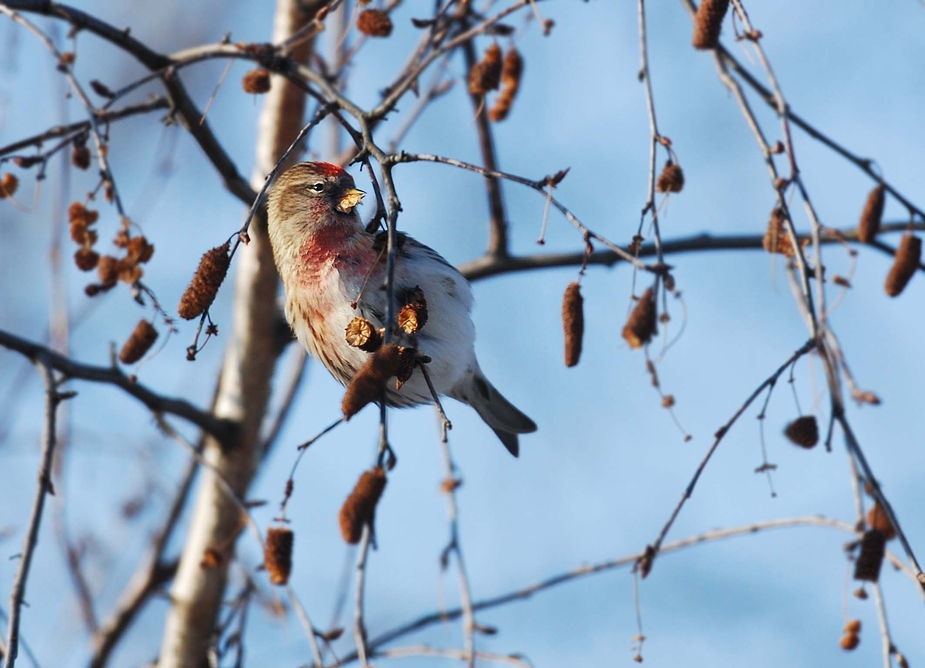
334	270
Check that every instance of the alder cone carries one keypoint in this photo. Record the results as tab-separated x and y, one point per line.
573	321
368	383
908	256
201	291
642	325
873	549
671	180
485	75
256	82
140	342
277	554
872	215
804	431
360	506
708	23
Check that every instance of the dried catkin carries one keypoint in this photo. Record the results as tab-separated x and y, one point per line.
776	238
206	281
360	506
511	73
369	381
904	266
671	180
804	431
256	82
872	214
375	23
277	554
485	75
708	22
138	343
573	321
873	547
413	315
642	325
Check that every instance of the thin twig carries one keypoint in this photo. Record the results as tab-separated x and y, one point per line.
43	487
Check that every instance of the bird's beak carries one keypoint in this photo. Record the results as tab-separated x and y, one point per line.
349	200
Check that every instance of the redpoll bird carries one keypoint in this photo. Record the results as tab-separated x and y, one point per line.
329	262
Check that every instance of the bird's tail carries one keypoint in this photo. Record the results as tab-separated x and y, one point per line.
498	413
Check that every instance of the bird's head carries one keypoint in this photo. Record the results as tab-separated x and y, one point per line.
312	195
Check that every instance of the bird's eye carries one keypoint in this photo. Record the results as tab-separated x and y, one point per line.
318	187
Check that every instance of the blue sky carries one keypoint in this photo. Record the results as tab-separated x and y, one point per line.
606	467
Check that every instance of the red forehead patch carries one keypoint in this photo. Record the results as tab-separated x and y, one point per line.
328	169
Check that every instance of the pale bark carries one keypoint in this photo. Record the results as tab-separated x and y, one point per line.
244	389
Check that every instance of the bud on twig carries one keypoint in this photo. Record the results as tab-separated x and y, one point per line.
360	506
206	281
573	321
277	554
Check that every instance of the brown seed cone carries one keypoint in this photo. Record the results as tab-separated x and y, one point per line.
776	238
369	382
277	554
573	321
804	431
361	334
671	180
511	72
360	506
413	315
849	641
78	214
139	250
853	627
206	281
375	23
138	343
80	157
485	75
8	185
642	324
872	214
256	82
877	519
708	22
873	547
86	259
908	256
108	269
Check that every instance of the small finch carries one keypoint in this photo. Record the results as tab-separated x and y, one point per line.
328	261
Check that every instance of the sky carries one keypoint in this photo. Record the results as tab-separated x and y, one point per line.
607	465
